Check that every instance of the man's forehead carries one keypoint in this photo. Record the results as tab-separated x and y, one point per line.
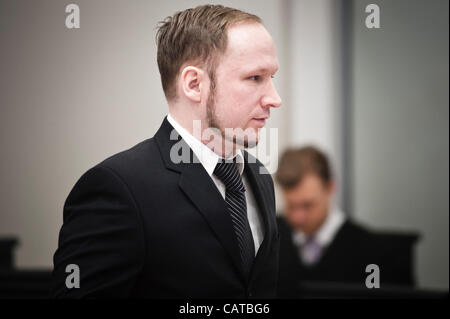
250	48
246	31
249	37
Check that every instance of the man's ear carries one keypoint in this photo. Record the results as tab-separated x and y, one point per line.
192	81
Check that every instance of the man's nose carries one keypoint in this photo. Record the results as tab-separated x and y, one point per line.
272	98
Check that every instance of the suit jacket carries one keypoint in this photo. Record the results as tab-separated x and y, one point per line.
345	259
140	225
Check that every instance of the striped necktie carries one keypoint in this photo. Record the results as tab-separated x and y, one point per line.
228	173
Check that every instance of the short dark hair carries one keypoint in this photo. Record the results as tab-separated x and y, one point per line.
296	163
195	35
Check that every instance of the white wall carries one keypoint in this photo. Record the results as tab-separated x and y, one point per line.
315	89
400	127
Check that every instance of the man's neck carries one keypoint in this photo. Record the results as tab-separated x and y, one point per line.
211	137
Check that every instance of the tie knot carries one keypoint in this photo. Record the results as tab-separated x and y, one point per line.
311	251
310	242
228	173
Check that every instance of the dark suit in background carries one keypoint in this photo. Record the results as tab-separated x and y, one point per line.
345	259
139	225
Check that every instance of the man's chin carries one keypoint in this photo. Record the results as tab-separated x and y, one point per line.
245	142
249	139
250	144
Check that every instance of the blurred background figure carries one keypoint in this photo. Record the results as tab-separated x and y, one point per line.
376	100
320	243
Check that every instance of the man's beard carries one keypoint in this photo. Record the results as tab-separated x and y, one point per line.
213	122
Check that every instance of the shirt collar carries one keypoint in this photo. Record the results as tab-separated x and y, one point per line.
205	155
327	231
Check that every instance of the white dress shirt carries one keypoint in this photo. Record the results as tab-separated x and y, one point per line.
209	160
324	236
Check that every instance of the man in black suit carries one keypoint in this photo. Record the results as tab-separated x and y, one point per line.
187	213
319	243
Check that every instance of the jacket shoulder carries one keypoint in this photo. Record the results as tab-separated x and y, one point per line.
125	167
139	155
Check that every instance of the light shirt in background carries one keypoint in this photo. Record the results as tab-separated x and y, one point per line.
310	253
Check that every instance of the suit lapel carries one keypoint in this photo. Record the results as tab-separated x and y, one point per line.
200	189
262	195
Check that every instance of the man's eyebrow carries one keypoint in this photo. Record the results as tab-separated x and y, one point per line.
262	70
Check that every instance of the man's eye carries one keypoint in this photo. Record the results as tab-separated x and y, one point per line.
255	78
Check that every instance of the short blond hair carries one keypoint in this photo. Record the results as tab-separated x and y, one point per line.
195	35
